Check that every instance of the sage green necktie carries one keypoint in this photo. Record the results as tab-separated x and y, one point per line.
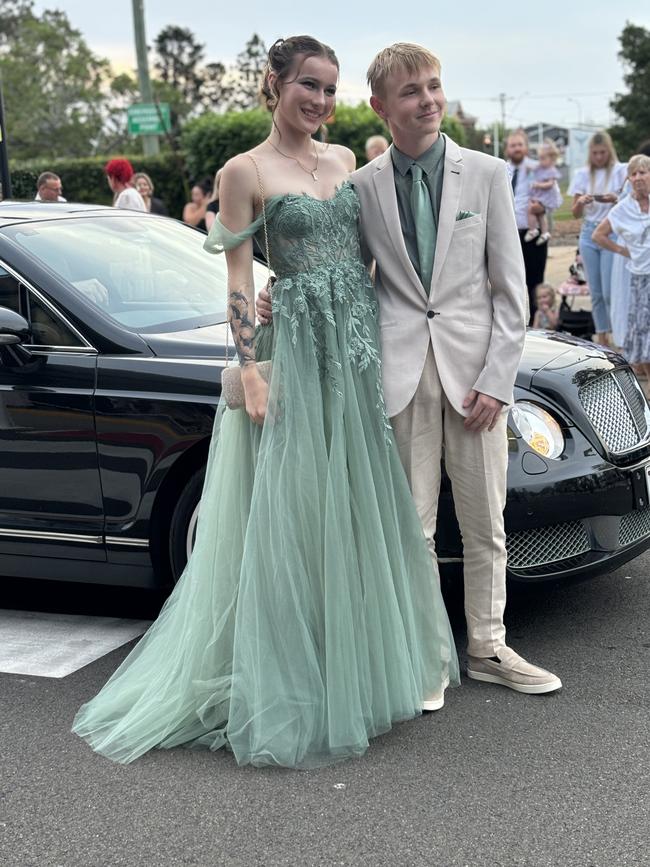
425	228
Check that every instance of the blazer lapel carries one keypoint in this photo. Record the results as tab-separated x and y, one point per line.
385	189
450	199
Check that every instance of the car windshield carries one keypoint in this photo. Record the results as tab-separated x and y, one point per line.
148	274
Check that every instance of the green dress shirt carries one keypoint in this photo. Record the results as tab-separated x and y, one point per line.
432	164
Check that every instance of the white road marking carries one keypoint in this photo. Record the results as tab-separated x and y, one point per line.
55	645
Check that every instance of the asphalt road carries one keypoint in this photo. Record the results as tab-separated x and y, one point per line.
493	779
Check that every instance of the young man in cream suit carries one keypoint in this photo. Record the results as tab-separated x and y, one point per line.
438	220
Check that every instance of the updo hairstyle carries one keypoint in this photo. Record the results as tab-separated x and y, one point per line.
282	55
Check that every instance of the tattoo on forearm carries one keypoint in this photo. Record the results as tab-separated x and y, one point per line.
242	325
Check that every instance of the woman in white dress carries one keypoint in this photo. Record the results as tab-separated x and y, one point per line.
596	189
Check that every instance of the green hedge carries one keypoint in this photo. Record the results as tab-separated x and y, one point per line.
212	139
84	179
353	125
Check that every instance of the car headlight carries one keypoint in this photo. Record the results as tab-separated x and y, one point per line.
538	428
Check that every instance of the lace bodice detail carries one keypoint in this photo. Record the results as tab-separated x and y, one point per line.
304	233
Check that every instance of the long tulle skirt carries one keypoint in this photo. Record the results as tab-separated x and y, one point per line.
308	618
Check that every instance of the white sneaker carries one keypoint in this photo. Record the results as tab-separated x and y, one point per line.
530	235
434	702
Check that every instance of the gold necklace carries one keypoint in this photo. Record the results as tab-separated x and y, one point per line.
311	172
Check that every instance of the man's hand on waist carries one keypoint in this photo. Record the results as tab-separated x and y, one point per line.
263	305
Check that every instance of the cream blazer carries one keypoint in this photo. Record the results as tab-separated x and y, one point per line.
474	312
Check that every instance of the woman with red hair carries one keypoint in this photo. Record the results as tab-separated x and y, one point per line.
119	173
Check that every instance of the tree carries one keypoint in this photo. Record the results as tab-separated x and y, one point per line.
179	79
247	74
633	108
212	139
52	83
115	137
215	89
177	63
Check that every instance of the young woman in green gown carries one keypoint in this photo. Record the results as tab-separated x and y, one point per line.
308	618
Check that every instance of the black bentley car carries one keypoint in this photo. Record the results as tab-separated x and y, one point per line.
112	343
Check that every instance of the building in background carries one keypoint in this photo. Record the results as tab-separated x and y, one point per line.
467	121
537	132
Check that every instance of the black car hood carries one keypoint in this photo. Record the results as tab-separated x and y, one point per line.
548	356
209	341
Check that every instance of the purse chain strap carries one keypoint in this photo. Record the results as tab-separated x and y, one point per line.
266	243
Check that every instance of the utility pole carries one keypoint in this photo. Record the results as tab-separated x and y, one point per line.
5	177
150	143
502	100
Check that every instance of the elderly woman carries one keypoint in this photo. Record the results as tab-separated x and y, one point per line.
376	145
630	219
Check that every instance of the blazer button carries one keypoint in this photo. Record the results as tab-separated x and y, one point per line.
430	314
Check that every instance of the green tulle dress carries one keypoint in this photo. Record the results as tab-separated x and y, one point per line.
309	618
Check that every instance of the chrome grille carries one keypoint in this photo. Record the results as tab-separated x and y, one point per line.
542	545
634	526
616	408
634	397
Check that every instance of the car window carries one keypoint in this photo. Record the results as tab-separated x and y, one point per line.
47	328
9	291
148	274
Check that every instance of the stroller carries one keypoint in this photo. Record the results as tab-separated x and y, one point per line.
576	322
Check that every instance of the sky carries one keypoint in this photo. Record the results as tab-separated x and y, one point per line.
555	62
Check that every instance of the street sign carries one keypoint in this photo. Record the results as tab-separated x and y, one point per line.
147	118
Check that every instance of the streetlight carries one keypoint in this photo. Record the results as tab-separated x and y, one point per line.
579	104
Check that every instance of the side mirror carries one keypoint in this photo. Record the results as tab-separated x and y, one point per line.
14	333
13	328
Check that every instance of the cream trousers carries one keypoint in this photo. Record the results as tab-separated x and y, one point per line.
476	463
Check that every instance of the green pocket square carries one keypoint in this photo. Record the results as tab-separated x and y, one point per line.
464	215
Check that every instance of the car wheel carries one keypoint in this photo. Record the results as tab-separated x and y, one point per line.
182	530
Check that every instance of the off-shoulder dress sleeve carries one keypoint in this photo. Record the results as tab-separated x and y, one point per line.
220	238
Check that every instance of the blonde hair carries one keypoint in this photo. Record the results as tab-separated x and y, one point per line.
638	161
400	57
601	139
144	175
545	289
549	147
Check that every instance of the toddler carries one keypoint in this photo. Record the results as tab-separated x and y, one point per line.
546	317
544	191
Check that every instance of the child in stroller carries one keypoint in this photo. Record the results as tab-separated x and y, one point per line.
575	321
